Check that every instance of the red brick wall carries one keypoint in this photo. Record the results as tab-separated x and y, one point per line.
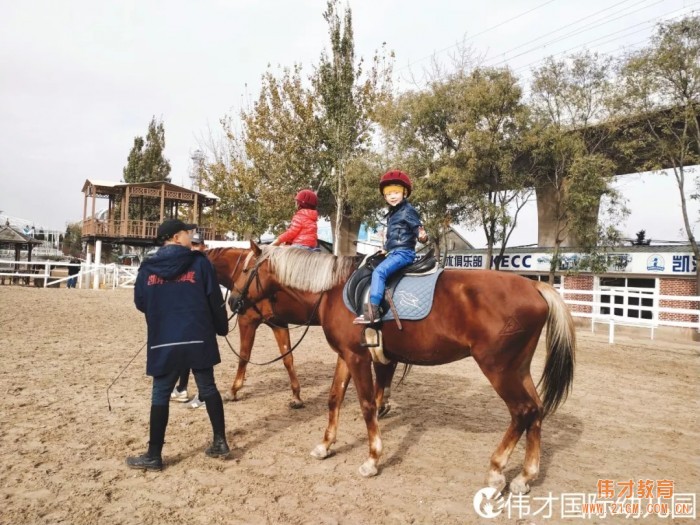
671	286
579	282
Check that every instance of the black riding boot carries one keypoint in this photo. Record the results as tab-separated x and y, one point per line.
152	459
370	314
215	409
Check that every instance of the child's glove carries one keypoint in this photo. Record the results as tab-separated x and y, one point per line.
422	235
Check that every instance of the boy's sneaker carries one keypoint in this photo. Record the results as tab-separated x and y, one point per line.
197	403
181	397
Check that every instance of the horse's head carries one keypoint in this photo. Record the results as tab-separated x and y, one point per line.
250	281
227	263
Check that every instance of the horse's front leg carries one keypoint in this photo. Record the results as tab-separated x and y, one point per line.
246	330
284	344
382	387
335	399
361	371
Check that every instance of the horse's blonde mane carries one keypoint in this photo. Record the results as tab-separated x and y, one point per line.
306	270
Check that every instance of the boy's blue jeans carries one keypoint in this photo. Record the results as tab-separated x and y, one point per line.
395	260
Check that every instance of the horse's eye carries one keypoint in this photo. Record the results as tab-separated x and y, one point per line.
245	270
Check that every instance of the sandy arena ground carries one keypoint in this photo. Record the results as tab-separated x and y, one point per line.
633	415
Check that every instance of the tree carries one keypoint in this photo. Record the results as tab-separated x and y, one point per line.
497	187
72	244
462	136
572	171
641	239
346	105
662	91
145	162
305	133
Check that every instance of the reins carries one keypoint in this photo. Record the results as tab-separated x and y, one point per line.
282	356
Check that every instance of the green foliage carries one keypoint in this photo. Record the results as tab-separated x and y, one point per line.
303	132
72	244
662	92
145	162
570	100
462	138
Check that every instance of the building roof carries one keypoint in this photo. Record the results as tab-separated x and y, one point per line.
8	235
114	187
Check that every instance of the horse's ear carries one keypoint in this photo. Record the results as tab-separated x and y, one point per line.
256	249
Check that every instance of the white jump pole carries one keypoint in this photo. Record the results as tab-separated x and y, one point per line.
98	257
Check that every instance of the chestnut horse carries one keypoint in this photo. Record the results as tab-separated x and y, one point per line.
228	264
494	317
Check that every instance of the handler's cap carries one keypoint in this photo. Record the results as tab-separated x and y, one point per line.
171	226
196	238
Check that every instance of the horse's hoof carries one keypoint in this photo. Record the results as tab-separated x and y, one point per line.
231	396
383	410
296	403
320	452
518	486
368	469
497	481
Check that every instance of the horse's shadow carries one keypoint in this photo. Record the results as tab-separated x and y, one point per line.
427	401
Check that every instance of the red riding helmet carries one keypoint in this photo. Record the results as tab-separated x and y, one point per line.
396	177
307	199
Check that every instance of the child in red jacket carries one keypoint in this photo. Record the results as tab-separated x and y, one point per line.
303	231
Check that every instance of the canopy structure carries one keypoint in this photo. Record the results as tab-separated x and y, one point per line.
11	238
135	210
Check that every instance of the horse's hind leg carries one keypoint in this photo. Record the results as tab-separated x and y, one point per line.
531	463
284	344
335	400
516	388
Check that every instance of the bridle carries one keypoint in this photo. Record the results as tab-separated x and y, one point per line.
242	303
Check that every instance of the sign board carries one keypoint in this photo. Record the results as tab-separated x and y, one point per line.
670	263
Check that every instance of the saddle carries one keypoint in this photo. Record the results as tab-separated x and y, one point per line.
357	286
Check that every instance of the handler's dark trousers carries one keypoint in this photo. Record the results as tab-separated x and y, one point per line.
160	405
163	385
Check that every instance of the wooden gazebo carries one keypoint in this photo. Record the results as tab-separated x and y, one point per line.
12	239
124	221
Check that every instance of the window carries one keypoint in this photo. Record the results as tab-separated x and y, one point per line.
626	294
545	278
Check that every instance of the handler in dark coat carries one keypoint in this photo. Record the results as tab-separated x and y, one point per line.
178	292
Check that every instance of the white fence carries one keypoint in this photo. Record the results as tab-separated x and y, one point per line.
89	276
634	311
622	307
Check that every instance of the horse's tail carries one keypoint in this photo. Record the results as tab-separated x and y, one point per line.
561	350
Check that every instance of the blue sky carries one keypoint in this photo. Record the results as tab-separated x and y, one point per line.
80	79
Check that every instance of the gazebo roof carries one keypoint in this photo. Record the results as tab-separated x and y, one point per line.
8	235
105	187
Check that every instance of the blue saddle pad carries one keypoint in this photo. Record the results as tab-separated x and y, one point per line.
413	297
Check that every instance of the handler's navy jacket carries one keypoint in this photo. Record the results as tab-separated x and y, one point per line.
402	227
178	292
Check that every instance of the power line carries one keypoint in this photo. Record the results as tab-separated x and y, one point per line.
478	34
578	32
564	27
609	40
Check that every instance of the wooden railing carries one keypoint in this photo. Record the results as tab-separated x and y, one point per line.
132	228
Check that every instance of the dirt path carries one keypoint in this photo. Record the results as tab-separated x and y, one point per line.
633	415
